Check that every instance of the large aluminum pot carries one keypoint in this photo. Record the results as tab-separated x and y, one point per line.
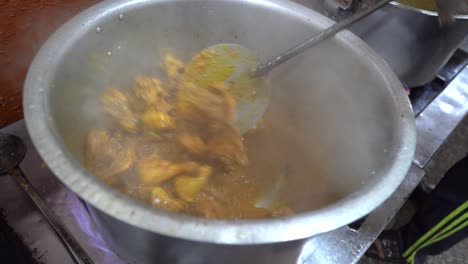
411	40
349	109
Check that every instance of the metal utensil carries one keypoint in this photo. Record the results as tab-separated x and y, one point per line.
264	68
417	39
231	64
12	152
236	66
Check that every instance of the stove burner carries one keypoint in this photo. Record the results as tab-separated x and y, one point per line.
12	152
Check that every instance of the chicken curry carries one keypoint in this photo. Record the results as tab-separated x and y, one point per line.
172	145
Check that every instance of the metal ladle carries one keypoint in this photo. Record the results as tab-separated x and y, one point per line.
12	152
236	66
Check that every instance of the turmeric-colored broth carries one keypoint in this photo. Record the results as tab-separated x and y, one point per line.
171	144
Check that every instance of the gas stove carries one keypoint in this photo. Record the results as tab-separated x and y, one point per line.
439	106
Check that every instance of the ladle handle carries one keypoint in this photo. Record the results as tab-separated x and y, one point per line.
264	68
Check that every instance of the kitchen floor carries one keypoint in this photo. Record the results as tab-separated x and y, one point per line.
455	149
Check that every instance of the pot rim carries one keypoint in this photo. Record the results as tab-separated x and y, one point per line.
424	11
52	149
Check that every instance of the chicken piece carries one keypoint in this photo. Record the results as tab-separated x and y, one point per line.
205	171
108	155
211	109
193	143
173	66
203	105
188	187
151	88
146	83
158	121
169	149
162	199
230	101
226	146
116	104
149	94
146	147
154	170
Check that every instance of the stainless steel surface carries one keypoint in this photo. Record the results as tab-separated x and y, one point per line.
411	41
12	146
266	67
441	117
363	112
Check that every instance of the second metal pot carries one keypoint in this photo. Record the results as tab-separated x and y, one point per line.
411	40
